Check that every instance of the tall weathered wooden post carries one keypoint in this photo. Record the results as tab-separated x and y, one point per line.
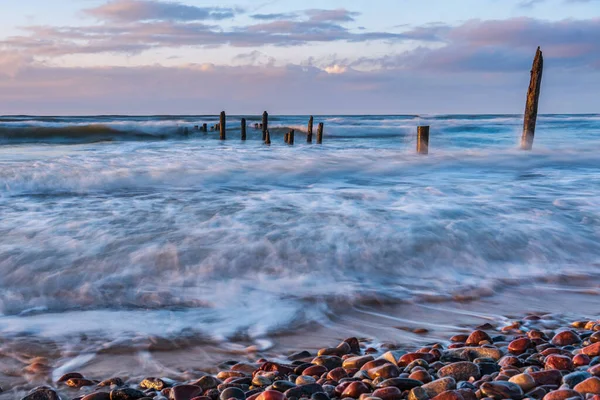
243	128
267	138
320	133
265	124
222	125
423	140
309	133
533	96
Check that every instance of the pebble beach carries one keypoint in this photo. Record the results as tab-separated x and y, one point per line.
531	358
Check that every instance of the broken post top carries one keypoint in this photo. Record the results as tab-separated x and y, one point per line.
533	95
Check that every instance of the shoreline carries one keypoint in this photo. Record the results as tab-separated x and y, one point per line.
401	326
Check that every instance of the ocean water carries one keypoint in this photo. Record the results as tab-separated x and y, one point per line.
121	228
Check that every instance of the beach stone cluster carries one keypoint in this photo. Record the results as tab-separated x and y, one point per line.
520	361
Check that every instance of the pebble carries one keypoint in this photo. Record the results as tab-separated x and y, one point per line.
566	338
575	378
460	371
525	381
590	385
438	386
522	363
562	395
126	394
501	390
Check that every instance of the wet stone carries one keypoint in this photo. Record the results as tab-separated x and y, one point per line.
589	386
126	394
97	396
502	390
562	395
42	394
575	378
460	371
69	375
525	381
304	390
232	393
438	386
565	338
356	362
282	386
401	383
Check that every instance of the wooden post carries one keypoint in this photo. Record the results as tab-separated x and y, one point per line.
205	127
267	138
533	95
286	138
320	133
423	140
243	128
222	125
291	137
265	124
309	133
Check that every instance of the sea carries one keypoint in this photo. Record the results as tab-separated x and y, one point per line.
120	232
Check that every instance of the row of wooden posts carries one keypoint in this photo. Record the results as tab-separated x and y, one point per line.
266	136
531	111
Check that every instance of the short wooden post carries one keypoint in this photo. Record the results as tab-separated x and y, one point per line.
309	133
243	128
286	138
205	127
222	125
256	126
533	96
320	133
267	138
291	137
423	140
265	124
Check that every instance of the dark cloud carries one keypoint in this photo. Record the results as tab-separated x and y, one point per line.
148	10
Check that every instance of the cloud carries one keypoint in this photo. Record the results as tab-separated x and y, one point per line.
497	46
133	26
338	15
288	89
275	16
153	10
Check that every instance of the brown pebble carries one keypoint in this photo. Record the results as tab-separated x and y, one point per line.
589	386
566	338
559	362
355	389
592	350
580	360
477	337
68	376
79	382
519	346
562	395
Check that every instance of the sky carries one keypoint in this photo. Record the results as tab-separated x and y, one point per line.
144	57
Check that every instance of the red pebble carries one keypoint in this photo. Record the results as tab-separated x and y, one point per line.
559	362
271	395
580	360
592	350
519	346
354	390
388	393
